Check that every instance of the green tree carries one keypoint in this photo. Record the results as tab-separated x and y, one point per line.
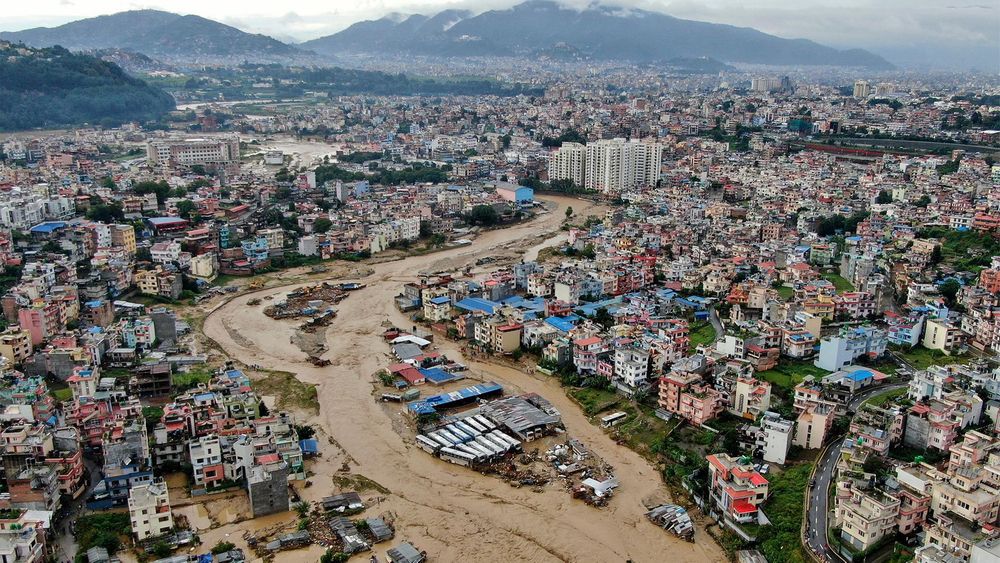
162	549
569	211
161	189
483	215
883	197
949	290
222	547
108	182
106	212
185	207
322	225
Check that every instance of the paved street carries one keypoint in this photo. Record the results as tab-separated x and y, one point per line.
817	499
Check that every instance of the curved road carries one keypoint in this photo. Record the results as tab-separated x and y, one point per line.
817	501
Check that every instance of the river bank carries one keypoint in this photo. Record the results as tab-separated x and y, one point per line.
452	513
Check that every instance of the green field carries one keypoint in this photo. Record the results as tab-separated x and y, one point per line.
788	374
786	293
883	398
701	333
838	282
922	358
595	400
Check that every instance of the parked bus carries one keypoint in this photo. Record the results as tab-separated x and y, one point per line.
485	422
612	419
467	429
437	437
458	457
428	445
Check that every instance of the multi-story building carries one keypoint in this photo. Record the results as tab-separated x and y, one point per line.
149	510
206	460
843	349
189	152
614	165
775	437
569	162
867	517
736	489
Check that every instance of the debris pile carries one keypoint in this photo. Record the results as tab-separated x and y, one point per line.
308	301
672	518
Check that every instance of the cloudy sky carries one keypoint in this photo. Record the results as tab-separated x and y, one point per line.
938	32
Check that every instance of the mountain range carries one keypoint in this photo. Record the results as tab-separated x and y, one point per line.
528	29
599	32
162	35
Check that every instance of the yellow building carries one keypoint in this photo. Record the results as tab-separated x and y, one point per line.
15	344
123	236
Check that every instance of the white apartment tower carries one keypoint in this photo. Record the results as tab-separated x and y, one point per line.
617	164
569	162
862	89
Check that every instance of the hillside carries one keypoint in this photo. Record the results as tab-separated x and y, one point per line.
52	87
162	35
598	32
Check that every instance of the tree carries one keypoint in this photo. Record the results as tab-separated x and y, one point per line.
949	289
108	182
185	207
322	225
161	189
483	215
162	549
223	547
936	256
604	318
106	212
569	211
883	197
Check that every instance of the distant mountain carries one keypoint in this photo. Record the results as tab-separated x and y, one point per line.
53	87
597	32
162	35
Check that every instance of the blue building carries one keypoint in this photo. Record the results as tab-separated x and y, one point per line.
255	250
521	195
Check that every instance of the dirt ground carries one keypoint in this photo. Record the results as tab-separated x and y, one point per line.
451	512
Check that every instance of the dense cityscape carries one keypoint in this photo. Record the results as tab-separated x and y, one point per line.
482	306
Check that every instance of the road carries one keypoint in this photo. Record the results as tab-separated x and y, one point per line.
720	330
818	498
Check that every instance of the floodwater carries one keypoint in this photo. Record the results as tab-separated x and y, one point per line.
451	512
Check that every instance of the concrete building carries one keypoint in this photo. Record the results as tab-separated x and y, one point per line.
267	485
843	349
614	165
149	510
569	162
812	426
866	518
736	489
189	152
777	437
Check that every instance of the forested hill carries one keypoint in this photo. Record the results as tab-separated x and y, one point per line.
52	87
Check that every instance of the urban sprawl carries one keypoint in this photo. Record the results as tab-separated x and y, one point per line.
761	314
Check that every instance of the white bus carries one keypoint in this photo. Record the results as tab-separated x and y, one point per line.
612	419
457	457
467	429
428	445
513	442
487	423
437	437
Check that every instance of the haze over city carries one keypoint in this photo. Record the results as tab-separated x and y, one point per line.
431	281
910	33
